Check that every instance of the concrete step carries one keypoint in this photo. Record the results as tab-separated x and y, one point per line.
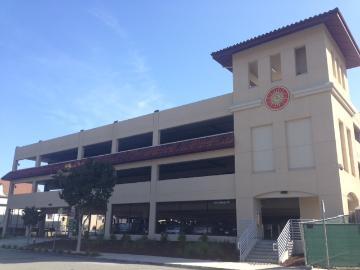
263	252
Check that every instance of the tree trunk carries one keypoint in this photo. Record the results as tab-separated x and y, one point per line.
80	226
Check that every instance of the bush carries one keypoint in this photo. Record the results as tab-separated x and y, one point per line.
113	237
164	237
125	238
144	238
203	238
182	238
86	235
100	237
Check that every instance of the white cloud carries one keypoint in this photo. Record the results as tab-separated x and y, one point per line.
108	20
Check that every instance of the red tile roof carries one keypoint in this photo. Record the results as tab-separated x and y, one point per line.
333	20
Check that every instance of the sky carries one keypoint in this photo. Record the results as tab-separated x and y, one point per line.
71	65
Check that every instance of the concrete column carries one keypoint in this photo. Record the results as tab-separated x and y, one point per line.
15	161
7	212
38	161
6	221
114	146
108	221
34	188
80	153
153	190
156	135
11	190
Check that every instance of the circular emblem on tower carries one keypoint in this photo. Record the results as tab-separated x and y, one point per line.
277	98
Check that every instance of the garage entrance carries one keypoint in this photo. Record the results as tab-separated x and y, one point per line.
275	212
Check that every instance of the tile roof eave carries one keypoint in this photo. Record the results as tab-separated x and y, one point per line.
224	56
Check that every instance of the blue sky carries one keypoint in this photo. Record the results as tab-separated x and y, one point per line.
71	65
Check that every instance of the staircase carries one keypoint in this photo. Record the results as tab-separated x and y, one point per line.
263	252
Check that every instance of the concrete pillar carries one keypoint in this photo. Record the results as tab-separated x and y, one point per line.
34	187
114	146
15	161
6	221
38	161
108	221
153	190
11	190
156	135
7	212
80	153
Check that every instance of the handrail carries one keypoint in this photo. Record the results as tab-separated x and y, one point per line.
285	241
247	240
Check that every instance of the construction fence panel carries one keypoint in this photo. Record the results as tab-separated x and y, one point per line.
343	244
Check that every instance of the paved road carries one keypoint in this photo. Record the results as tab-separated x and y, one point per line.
25	260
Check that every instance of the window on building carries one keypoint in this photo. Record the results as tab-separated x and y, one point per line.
334	68
197	168
343	146
136	141
253	73
97	149
197	217
300	144
357	133
198	129
61	156
130	218
343	77
275	66
134	175
300	60
262	148
338	70
351	154
47	185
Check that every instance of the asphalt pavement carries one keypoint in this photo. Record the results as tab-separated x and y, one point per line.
26	260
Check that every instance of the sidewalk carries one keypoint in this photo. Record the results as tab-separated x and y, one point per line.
189	263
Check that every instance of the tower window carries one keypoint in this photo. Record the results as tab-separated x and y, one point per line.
300	60
253	74
275	65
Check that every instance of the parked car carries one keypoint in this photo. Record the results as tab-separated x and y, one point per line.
173	229
202	230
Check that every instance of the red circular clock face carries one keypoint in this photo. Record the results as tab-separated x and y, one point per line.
277	98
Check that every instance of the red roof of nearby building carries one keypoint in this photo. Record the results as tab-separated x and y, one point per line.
333	20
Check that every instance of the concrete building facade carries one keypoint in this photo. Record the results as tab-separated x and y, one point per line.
284	139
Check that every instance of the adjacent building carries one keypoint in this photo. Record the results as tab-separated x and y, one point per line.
285	138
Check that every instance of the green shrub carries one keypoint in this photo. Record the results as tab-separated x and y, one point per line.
14	247
144	238
164	237
100	237
125	238
203	238
182	238
113	237
86	235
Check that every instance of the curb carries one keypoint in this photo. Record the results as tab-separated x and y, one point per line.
99	259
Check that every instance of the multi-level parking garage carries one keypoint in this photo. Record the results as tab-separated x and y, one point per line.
284	139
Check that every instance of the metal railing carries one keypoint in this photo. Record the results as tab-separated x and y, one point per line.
247	239
285	242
